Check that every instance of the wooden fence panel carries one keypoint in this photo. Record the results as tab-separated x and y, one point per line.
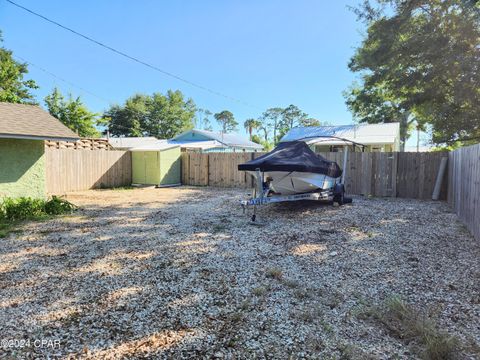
464	186
74	170
408	175
417	173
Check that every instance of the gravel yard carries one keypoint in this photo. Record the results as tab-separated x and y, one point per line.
180	273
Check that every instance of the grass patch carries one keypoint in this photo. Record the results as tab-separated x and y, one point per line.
218	228
260	291
121	188
14	211
408	324
274	273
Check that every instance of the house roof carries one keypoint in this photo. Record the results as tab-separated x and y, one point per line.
206	144
366	134
132	142
230	140
21	121
158	145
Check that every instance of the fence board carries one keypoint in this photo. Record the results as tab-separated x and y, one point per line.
74	170
464	186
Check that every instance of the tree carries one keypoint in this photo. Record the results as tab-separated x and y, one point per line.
310	122
226	119
129	119
250	125
291	117
72	113
13	87
271	120
162	116
419	63
169	114
203	119
256	139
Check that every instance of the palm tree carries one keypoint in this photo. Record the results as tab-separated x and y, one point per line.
250	125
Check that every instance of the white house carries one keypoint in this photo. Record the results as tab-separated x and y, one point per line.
209	141
375	137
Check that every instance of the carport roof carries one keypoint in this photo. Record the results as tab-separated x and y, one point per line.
21	121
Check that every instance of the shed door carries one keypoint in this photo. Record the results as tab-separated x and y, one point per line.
152	168
138	167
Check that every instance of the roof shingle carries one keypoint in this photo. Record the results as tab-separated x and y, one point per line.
20	121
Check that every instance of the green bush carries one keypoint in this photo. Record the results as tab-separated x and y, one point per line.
58	206
12	210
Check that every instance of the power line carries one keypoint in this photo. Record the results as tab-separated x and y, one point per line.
121	53
65	81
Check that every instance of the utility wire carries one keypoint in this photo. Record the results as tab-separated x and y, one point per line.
121	53
65	81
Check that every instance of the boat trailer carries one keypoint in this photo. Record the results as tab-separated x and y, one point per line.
262	194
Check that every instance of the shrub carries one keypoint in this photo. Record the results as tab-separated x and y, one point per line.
58	206
12	210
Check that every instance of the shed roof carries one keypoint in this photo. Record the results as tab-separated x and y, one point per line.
231	140
361	133
159	145
21	121
132	142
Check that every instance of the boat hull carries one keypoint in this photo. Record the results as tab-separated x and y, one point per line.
289	183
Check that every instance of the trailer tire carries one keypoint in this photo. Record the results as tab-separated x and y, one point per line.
339	194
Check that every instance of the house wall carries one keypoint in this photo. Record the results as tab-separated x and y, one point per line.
22	168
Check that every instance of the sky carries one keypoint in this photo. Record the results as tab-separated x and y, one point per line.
265	53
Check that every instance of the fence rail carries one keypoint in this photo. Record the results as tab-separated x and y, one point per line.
464	186
74	170
408	175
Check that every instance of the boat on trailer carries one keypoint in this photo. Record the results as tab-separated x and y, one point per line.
292	172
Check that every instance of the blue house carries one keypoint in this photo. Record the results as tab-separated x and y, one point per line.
209	141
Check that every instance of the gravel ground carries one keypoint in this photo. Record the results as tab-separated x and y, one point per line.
180	273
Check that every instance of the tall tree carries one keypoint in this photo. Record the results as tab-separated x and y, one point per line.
271	119
250	125
292	116
419	63
13	87
203	119
226	119
162	116
72	113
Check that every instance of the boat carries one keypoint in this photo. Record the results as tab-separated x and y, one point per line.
293	168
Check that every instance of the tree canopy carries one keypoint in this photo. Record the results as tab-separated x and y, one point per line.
227	121
250	125
72	113
162	116
13	87
419	62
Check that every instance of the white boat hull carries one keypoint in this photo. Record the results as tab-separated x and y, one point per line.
289	183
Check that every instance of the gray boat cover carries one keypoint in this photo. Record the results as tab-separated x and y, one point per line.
293	156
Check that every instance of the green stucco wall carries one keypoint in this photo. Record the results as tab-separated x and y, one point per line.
22	168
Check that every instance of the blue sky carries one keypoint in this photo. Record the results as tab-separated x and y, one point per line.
267	53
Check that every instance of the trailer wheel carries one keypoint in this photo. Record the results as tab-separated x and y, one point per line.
339	194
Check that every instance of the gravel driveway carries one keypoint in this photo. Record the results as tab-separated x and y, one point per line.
180	272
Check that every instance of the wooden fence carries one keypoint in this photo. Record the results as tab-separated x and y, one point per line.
74	170
407	175
464	186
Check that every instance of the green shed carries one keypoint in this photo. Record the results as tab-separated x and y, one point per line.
156	164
